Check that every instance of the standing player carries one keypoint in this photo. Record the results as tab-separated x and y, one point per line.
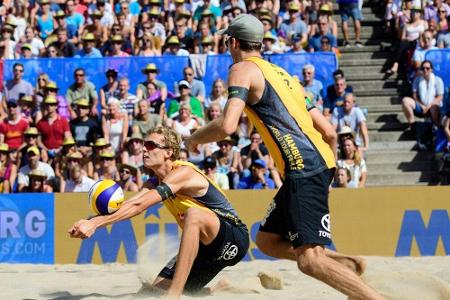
275	103
213	236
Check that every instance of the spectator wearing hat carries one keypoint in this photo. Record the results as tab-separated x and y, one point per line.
34	163
183	30
64	163
53	128
30	140
84	129
350	115
99	31
312	85
72	17
13	126
66	47
36	44
173	47
294	25
326	12
207	46
216	13
101	144
25	51
7	43
110	89
8	170
156	28
89	50
115	125
204	30
82	88
228	161
61	24
210	169
296	44
145	120
38	183
51	90
104	7
133	153
18	18
314	42
117	43
78	182
108	169
185	96
17	87
151	71
350	9
127	100
126	173
44	20
28	109
197	86
342	178
258	178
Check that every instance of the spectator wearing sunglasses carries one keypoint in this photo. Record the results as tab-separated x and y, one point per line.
13	126
197	86
17	87
34	163
127	172
81	89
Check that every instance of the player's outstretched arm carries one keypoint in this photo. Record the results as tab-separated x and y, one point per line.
137	204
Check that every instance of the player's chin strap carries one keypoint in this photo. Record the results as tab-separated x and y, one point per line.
164	191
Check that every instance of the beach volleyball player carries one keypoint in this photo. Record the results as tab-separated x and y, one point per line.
213	236
297	225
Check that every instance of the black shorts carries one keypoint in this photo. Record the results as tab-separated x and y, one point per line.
300	211
228	248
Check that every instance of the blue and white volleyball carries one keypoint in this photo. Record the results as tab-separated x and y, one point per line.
105	197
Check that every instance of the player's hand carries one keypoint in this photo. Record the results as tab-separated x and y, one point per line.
191	146
82	229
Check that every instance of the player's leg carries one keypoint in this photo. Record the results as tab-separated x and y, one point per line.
199	226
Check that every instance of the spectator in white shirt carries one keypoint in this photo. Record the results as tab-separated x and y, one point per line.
34	163
78	182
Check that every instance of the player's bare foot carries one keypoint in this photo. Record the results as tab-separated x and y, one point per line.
222	285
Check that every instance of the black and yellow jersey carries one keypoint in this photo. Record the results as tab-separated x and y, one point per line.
214	200
281	117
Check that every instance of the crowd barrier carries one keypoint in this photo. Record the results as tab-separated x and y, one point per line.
378	221
441	63
61	70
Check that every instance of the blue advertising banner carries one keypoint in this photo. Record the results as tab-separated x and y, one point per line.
27	228
441	63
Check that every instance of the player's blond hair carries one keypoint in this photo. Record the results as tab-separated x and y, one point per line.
172	139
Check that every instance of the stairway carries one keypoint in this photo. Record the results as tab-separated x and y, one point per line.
391	158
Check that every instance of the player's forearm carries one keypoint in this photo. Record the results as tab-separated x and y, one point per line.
212	132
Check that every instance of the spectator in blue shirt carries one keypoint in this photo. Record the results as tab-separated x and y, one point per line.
89	49
312	85
258	179
324	30
294	25
73	18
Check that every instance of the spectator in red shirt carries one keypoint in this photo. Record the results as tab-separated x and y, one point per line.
13	126
53	128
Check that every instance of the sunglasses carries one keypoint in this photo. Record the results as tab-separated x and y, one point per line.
72	160
125	171
18	70
79	75
12	105
425	68
151	145
188	74
107	158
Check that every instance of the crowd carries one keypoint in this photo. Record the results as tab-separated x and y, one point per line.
54	140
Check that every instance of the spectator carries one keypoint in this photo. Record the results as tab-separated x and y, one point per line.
185	96
297	46
219	94
151	45
73	18
115	125
99	31
127	101
37	46
352	116
25	51
52	52
100	145
151	71
17	87
145	121
7	42
8	170
325	10
349	9
117	43
184	32
51	90
28	110
210	167
34	163
312	85
110	89
133	154
197	86
156	28
184	123
38	183
31	138
426	43
335	97
78	182
428	91
107	168
105	9
67	162
258	179
126	173
173	47
294	25
89	50
71	31
256	150
44	20
268	44
64	46
53	127
351	159
13	126
229	161
184	155
39	90
214	10
84	129
81	89
314	43
207	46
342	178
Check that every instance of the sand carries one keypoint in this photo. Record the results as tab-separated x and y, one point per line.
396	278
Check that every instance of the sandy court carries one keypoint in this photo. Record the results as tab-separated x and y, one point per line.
397	278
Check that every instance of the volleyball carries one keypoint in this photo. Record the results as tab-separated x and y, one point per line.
105	197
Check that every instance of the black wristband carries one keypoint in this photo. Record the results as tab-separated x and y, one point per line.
164	191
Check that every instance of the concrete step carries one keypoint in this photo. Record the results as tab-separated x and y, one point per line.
406	178
366	41
367	49
358	70
398	156
381	117
369	101
362	62
382	127
372	85
365	35
365	56
369	20
378	147
390	136
383	92
386	109
392	168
